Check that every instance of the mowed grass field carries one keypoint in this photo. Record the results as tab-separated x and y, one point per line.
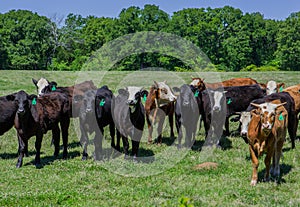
166	177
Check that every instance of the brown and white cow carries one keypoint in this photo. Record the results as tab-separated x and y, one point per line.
199	82
266	133
159	104
272	87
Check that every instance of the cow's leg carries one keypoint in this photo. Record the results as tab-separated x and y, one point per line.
270	153
112	134
179	131
292	128
150	130
65	123
21	151
227	126
125	146
38	144
255	163
26	148
171	123
98	143
136	138
84	142
118	140
159	130
276	160
56	139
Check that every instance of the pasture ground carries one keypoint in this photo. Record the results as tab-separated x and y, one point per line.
161	182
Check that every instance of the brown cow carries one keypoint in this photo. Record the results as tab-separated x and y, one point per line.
266	133
198	82
159	103
294	92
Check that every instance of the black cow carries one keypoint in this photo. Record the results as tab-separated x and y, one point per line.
238	99
187	112
129	117
94	114
289	106
8	111
35	116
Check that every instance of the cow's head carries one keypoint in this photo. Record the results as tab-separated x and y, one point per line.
133	95
217	99
40	85
245	119
23	101
199	83
273	87
187	94
86	102
268	112
163	93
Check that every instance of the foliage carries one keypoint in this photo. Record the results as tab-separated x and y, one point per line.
230	39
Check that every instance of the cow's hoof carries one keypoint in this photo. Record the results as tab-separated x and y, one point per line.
253	182
150	142
179	146
19	165
84	158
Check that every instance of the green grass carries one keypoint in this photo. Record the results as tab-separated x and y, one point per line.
166	179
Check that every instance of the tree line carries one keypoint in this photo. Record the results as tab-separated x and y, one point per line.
231	39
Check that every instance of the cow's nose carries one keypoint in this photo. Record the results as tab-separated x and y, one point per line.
266	126
185	103
21	110
243	133
216	108
88	110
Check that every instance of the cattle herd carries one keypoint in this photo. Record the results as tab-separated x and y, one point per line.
266	112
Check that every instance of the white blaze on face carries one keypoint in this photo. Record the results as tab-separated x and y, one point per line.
195	82
268	109
245	120
271	87
218	95
41	84
132	90
166	94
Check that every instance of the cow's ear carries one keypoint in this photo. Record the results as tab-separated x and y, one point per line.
255	112
34	81
77	98
10	97
122	91
262	85
144	93
32	96
52	83
280	86
176	89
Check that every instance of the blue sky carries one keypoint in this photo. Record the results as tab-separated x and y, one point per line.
273	9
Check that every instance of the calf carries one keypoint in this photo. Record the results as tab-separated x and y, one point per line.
213	113
266	133
35	116
159	103
129	117
187	112
94	114
8	111
198	82
289	106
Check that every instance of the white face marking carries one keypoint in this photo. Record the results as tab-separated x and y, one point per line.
41	84
245	120
268	108
217	99
195	82
132	90
271	87
166	94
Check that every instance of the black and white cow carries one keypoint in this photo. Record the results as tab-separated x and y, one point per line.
129	117
94	114
187	112
213	113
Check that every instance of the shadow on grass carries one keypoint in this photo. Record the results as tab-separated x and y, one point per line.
284	169
7	156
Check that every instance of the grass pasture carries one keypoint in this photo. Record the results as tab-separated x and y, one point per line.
167	179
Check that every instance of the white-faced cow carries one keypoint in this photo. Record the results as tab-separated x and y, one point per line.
159	104
272	87
129	117
289	106
35	116
187	112
266	133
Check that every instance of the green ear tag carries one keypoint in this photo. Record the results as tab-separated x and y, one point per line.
53	88
144	98
229	101
196	94
102	102
34	101
280	89
280	118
